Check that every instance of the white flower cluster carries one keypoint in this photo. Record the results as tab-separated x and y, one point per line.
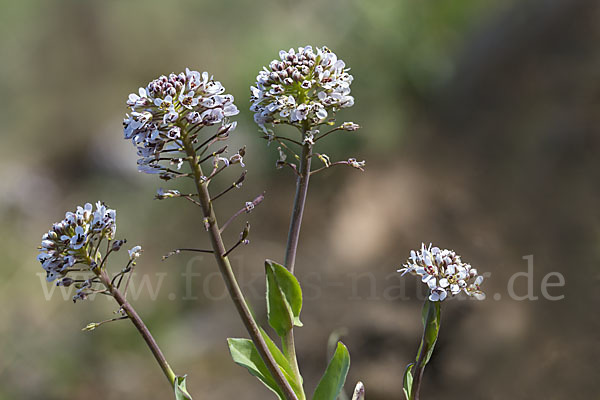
70	241
303	85
444	273
160	111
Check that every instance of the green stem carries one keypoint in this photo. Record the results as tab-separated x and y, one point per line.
224	264
298	209
139	324
289	350
292	242
431	328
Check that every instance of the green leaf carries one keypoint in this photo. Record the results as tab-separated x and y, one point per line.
431	324
332	382
181	392
284	298
244	353
407	381
283	363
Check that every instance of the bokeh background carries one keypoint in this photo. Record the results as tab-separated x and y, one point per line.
480	130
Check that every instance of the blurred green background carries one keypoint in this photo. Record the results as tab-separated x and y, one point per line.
480	130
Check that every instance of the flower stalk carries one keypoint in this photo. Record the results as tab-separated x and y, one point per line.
431	328
303	89
298	209
224	265
139	325
302	181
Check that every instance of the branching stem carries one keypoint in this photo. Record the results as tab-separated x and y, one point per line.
227	272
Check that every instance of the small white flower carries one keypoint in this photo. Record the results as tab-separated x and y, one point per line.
174	132
135	252
188	100
162	194
438	294
356	164
309	138
171	116
165	104
178	162
193	117
238	157
219	159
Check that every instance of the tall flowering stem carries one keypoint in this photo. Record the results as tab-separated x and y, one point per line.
166	121
303	89
303	178
446	275
431	328
298	208
224	264
73	245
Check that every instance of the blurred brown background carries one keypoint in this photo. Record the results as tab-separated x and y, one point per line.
480	130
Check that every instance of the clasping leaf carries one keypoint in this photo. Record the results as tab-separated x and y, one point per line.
181	392
284	298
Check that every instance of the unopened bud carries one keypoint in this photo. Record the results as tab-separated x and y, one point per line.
240	180
66	282
350	126
245	233
116	246
90	327
359	391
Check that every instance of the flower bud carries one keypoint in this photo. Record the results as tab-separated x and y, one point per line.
350	126
116	246
66	282
90	327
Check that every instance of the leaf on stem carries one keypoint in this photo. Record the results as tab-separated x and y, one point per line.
244	353
181	392
283	363
431	324
407	381
332	382
284	298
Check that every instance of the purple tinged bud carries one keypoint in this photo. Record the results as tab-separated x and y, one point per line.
116	246
66	282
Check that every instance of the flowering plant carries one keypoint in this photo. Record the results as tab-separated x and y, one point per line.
166	123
